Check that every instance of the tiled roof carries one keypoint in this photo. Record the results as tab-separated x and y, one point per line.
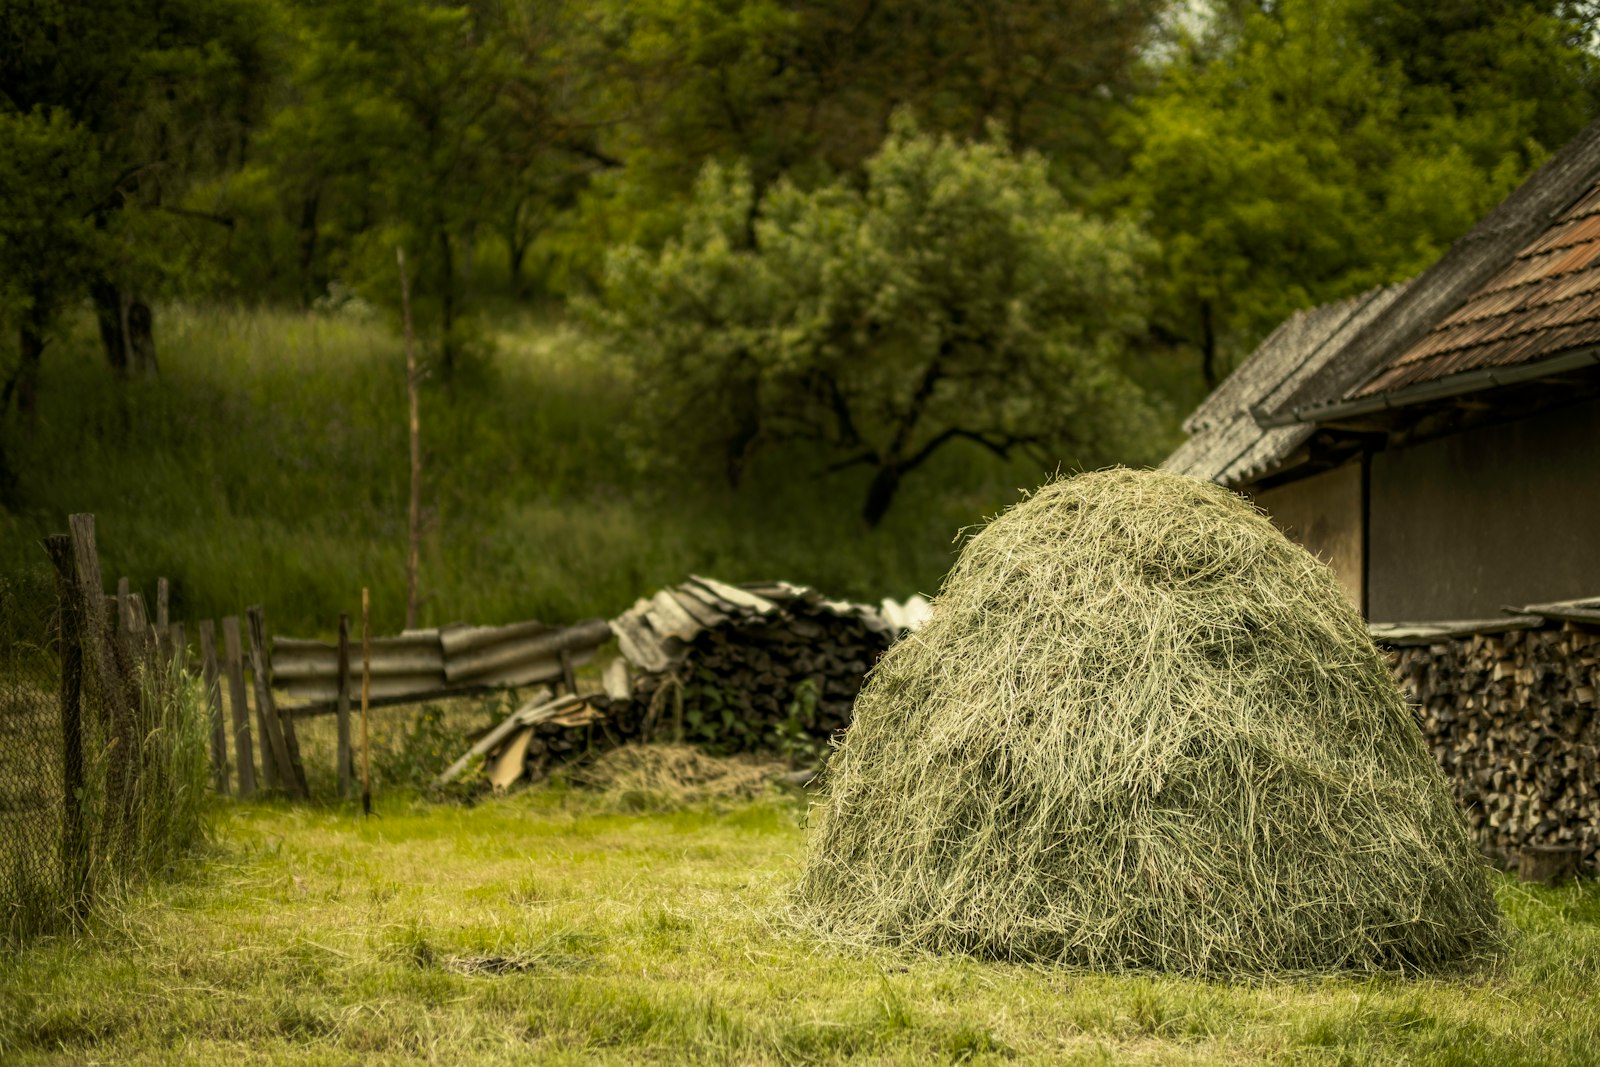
1544	302
1225	444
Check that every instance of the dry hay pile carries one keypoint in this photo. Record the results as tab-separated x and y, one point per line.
1144	731
668	775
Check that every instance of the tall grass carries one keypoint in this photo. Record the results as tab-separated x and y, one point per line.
143	797
268	464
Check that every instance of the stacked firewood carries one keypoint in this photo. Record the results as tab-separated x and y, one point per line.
1511	717
767	667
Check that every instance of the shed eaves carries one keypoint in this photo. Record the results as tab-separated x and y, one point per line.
1546	301
1225	444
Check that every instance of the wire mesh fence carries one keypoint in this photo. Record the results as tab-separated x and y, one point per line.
103	738
31	758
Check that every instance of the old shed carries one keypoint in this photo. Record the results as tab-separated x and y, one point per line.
1437	441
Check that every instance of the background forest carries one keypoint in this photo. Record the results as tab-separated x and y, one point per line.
756	288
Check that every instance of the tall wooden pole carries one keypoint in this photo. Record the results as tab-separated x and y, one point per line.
366	696
413	380
342	748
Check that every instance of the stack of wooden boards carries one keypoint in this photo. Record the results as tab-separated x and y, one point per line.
731	668
1509	709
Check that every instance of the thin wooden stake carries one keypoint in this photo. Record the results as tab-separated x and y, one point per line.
413	380
219	730
280	732
244	751
346	784
366	693
166	647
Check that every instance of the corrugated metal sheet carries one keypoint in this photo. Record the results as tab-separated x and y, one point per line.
429	663
1545	302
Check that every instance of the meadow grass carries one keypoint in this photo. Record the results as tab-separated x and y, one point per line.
556	927
268	464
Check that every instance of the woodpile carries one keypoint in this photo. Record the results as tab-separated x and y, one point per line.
546	732
1509	709
764	666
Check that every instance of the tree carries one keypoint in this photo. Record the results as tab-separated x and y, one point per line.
956	297
160	91
424	123
1310	149
46	243
805	89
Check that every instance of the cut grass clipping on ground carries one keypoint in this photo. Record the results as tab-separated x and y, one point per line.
666	776
549	927
1145	731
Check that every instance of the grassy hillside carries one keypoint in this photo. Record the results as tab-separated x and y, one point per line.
268	464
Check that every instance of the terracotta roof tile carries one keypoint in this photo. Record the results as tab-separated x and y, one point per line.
1587	205
1546	301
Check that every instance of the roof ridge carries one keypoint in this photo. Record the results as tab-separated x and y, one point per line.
1470	263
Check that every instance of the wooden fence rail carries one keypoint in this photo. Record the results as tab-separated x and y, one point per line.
315	677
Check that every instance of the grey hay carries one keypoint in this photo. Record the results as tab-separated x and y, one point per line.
1144	731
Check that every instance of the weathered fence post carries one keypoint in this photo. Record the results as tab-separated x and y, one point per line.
116	703
244	754
346	783
124	607
280	728
219	732
74	841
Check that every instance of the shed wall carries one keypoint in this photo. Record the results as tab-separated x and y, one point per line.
1323	513
1504	514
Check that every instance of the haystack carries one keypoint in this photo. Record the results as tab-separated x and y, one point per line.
1144	731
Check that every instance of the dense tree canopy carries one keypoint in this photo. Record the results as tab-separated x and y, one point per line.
1309	149
955	297
1276	154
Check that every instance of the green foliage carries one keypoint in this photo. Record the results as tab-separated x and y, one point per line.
137	99
425	749
956	297
268	465
702	715
1308	150
46	235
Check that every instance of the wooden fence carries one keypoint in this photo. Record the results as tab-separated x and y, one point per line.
316	677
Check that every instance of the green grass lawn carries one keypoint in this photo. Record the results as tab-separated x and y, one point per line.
557	926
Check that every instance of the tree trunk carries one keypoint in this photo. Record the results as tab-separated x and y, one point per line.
447	306
24	384
310	288
1208	346
141	329
881	493
30	338
107	300
516	251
